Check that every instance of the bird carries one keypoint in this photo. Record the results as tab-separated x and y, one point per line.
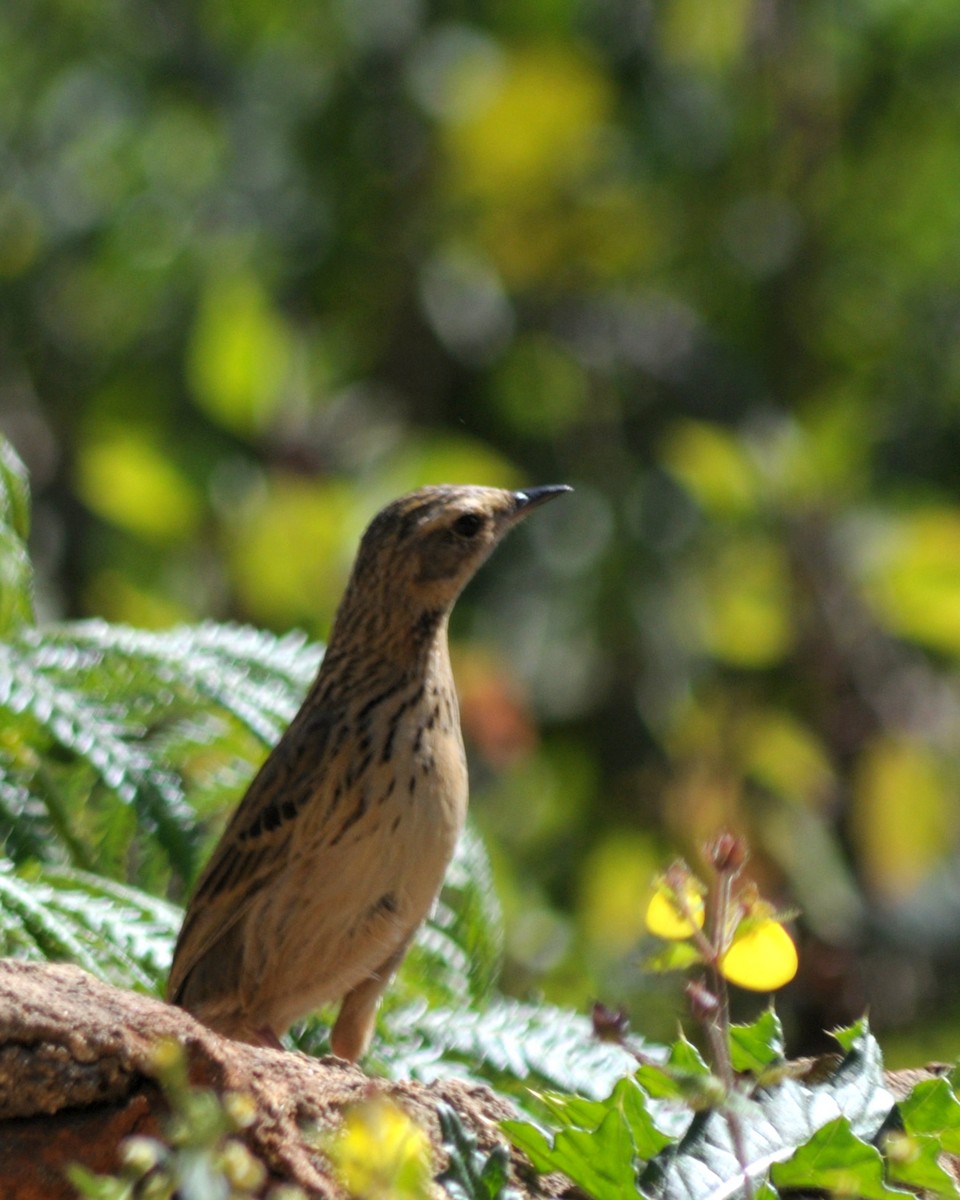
337	851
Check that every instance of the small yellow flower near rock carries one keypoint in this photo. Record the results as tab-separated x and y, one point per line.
379	1153
763	959
667	918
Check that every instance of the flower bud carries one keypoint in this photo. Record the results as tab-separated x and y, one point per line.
609	1024
727	853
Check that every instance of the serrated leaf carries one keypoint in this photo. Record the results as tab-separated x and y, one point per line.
836	1161
756	1046
914	1160
599	1144
471	1175
118	933
627	1098
682	1073
773	1124
506	1043
933	1108
600	1161
849	1035
686	1058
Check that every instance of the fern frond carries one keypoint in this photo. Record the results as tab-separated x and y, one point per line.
256	677
118	933
76	722
513	1045
16	570
119	717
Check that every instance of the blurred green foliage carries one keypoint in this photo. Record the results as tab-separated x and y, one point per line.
265	266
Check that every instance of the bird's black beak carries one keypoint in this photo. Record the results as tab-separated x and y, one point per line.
531	498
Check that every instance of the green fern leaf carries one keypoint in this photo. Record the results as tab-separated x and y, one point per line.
16	570
102	717
14	491
76	723
118	933
509	1043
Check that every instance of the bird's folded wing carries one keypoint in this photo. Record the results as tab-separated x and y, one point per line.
252	852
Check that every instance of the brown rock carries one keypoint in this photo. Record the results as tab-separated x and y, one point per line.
77	1077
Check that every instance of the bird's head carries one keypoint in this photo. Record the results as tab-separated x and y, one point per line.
419	552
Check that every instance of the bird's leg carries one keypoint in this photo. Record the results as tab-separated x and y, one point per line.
353	1029
266	1037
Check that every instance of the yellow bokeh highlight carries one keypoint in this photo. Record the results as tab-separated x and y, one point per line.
762	959
614	891
240	354
115	597
904	814
912	576
290	551
531	172
744	595
666	918
714	467
537	129
380	1153
785	756
711	37
126	479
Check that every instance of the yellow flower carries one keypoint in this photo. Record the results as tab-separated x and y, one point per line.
379	1153
762	958
668	917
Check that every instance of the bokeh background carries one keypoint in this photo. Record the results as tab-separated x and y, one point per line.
265	265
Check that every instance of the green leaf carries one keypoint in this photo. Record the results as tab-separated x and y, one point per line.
102	718
507	1043
599	1144
756	1046
836	1161
627	1098
675	956
933	1108
600	1161
712	1159
118	933
16	570
471	1175
682	1075
914	1160
98	1187
14	491
16	583
850	1035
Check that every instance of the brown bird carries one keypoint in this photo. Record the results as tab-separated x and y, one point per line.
337	851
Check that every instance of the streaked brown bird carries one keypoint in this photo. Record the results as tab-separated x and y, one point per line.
338	849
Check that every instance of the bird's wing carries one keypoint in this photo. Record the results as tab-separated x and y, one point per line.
250	854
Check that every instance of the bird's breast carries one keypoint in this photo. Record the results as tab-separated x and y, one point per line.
427	777
395	798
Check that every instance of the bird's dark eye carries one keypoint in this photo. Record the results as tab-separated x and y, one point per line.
468	525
